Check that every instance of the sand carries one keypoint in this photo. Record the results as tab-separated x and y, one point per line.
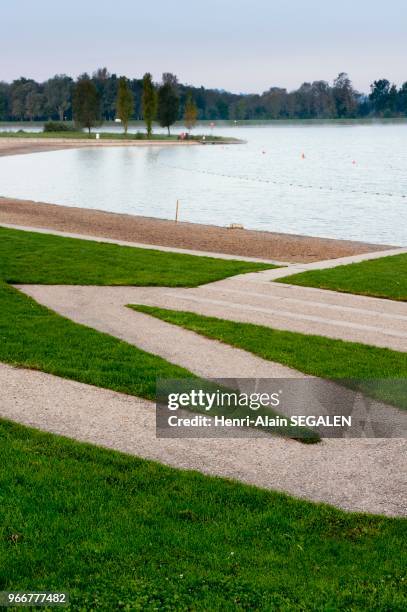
209	238
18	146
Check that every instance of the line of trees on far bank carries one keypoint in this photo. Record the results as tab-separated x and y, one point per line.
105	96
160	103
90	100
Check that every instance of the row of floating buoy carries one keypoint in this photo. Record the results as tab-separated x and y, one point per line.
283	183
303	156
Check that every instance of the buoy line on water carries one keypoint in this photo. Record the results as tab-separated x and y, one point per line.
284	183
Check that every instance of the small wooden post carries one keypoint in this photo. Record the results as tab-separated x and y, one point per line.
176	212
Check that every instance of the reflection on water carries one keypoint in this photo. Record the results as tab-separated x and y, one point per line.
336	181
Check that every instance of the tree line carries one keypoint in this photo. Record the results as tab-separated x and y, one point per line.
108	96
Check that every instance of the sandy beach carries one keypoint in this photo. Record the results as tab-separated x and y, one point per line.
19	146
147	230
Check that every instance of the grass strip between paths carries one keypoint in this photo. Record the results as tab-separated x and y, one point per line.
383	278
314	355
118	532
44	259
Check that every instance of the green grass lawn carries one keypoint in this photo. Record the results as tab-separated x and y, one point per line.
114	136
84	135
315	355
30	257
384	278
118	532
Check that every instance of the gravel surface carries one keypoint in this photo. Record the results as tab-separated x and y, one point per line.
360	475
249	298
104	309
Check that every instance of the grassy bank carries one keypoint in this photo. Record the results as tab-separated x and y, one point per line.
143	536
384	278
314	355
116	136
30	257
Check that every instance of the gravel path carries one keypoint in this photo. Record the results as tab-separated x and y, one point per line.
246	298
103	308
359	475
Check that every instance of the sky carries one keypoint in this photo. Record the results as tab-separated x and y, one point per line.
237	45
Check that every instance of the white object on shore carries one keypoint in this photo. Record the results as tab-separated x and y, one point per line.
97	136
235	226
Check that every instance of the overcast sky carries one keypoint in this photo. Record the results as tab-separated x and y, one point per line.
239	45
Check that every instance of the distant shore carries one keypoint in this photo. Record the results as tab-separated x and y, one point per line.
20	145
163	232
33	142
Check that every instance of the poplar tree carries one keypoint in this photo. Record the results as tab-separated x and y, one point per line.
149	102
190	113
124	103
168	101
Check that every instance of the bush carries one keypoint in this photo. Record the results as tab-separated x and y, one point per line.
58	126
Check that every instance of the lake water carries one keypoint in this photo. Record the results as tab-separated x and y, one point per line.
333	180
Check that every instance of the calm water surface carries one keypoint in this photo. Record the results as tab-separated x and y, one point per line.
337	181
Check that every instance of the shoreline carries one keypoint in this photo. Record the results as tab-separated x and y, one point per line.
25	145
290	248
